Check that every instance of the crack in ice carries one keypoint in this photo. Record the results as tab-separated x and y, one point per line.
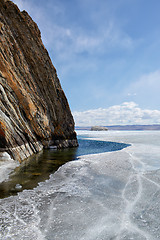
126	223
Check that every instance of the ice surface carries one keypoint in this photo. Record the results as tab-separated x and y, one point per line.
102	196
7	164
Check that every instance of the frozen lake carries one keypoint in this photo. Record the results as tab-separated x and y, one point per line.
101	196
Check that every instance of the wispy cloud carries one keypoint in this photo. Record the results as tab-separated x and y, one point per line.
149	82
75	38
145	88
126	113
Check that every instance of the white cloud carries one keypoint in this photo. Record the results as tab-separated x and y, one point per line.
126	113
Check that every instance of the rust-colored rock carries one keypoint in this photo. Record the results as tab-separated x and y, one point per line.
34	112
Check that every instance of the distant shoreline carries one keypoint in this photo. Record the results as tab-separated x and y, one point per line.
154	127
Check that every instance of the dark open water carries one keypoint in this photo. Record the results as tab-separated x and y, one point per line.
38	167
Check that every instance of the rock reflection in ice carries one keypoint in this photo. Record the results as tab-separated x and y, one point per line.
99	197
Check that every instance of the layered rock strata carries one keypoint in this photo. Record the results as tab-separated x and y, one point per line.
34	112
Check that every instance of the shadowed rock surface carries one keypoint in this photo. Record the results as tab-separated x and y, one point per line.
34	112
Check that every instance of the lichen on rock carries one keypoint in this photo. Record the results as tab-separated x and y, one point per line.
34	111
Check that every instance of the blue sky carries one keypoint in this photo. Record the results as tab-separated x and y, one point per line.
107	56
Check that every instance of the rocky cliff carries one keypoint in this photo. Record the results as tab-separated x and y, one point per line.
34	112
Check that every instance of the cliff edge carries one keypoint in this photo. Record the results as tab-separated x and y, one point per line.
34	112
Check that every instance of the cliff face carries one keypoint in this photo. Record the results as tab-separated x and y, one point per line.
34	112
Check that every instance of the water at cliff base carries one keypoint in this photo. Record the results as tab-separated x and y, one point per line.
102	196
38	167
